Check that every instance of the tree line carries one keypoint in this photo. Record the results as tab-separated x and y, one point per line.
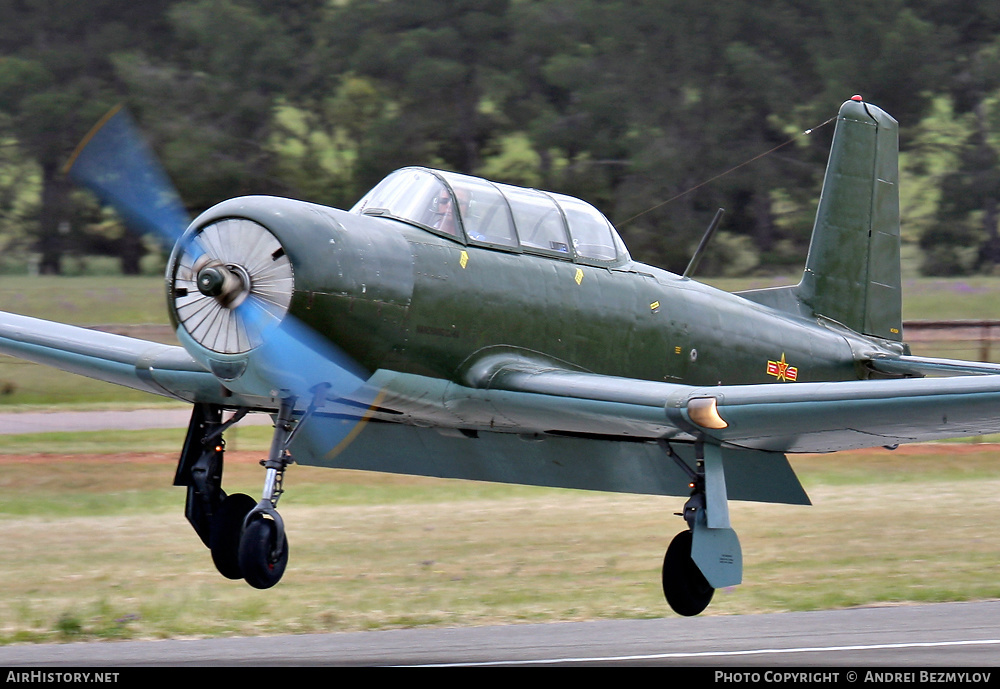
637	106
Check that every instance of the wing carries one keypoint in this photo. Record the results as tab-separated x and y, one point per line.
539	424
520	421
148	366
799	417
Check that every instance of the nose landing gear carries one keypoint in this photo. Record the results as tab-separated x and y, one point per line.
263	552
263	549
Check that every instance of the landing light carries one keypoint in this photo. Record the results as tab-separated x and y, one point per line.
703	411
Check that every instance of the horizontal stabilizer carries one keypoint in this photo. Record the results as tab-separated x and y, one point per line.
914	366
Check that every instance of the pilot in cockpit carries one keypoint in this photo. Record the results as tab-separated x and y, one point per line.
443	207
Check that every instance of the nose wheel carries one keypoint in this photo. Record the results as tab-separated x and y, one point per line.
245	543
261	546
262	551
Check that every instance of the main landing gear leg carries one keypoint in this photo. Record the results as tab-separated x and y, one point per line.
707	555
217	518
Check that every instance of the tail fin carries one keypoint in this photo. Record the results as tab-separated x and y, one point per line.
852	272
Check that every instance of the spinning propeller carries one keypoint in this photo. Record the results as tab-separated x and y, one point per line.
231	282
231	285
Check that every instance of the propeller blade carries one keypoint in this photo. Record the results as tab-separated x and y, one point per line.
296	360
114	162
235	290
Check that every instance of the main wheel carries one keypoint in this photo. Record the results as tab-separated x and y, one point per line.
225	530
261	560
684	586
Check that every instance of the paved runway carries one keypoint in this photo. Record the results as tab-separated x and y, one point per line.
955	635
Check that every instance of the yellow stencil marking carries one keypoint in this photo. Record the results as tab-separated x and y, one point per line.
464	260
677	350
654	306
579	276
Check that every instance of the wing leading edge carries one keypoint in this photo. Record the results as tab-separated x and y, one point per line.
827	417
140	364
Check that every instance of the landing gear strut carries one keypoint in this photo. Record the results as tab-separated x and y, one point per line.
263	549
684	586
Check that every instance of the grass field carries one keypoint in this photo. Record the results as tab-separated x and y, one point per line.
90	301
99	546
923	298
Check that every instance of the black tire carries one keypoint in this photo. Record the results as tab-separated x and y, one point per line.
225	532
262	565
684	586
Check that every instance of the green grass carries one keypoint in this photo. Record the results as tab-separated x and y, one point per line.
923	298
130	300
102	549
113	442
86	300
105	300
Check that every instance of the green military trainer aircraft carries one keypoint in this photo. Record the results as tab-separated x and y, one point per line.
450	326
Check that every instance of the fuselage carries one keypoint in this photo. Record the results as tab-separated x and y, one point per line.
397	297
631	320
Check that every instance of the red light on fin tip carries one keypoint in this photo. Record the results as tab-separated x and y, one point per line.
857	98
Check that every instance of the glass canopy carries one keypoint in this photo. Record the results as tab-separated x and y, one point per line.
497	215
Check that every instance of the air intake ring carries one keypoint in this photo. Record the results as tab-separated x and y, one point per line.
229	281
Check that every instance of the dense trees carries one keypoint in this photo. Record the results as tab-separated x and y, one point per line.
628	103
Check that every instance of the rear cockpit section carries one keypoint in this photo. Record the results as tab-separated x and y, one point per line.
475	211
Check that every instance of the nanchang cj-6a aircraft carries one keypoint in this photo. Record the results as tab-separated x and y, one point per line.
449	326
